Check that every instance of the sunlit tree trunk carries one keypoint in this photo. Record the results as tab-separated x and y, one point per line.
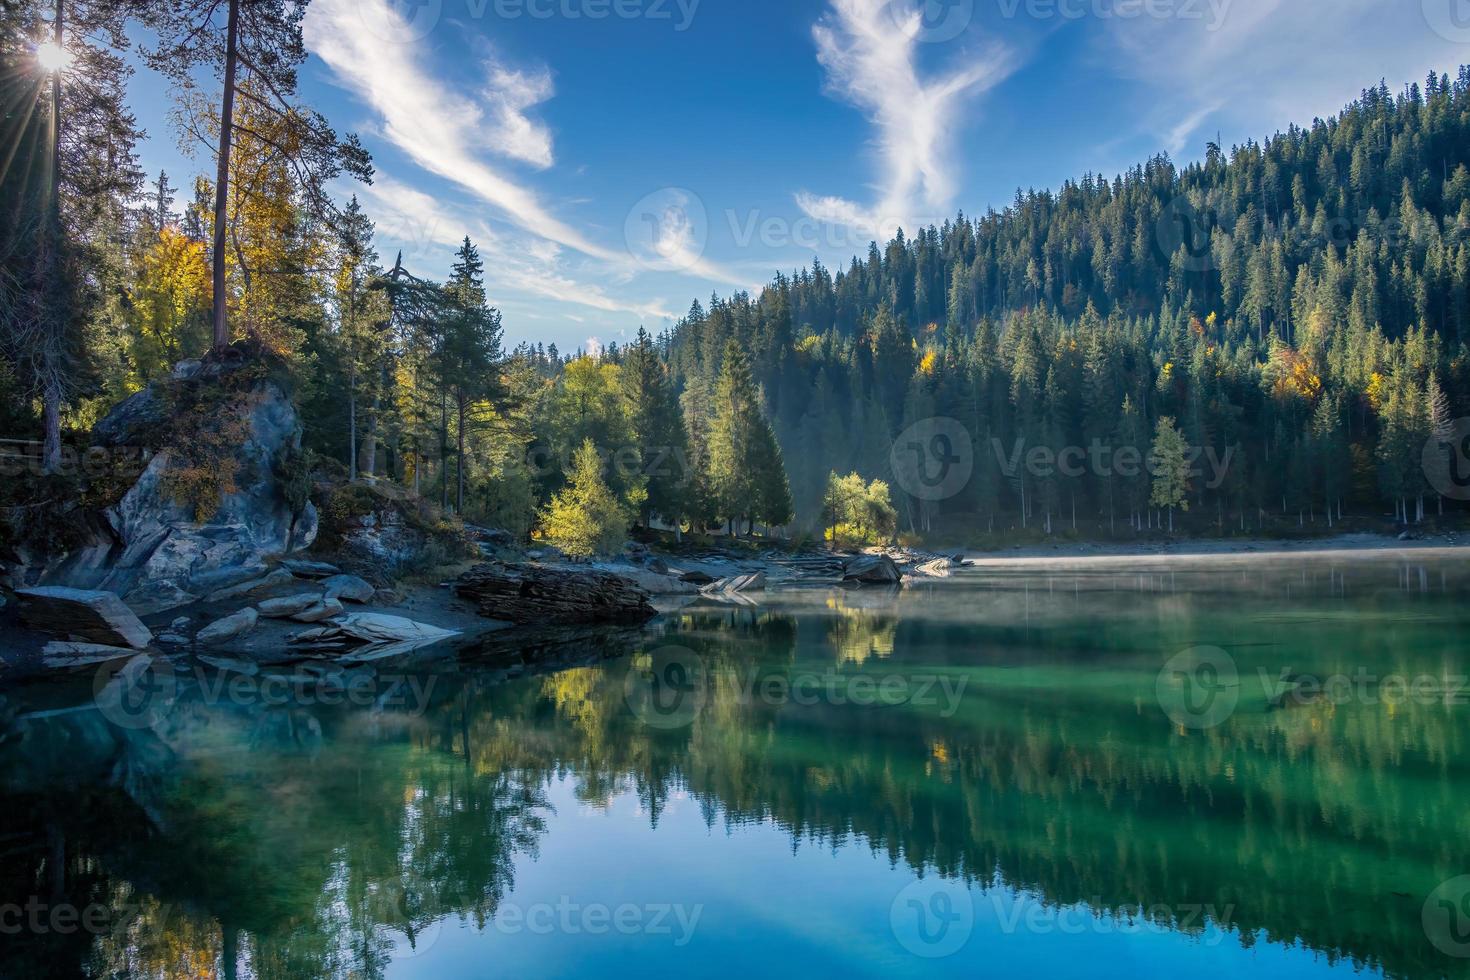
222	183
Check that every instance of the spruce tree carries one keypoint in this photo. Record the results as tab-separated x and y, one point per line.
747	476
658	430
1169	463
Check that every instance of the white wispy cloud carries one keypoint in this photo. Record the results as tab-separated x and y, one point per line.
429	230
1254	66
872	61
441	129
510	94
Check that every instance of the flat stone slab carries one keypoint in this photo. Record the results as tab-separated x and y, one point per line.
91	617
328	608
62	654
754	582
289	606
310	569
278	579
229	628
533	594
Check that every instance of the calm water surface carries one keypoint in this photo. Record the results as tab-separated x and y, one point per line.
1110	768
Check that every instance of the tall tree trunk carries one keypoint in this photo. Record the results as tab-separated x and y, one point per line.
368	459
222	183
51	363
51	414
352	425
459	456
444	450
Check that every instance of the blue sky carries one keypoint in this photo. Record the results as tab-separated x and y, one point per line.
616	159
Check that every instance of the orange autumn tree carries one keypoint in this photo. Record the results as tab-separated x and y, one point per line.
168	316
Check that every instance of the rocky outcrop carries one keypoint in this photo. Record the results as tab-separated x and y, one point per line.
227	419
872	570
531	594
90	616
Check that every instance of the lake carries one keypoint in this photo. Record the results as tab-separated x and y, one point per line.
1138	767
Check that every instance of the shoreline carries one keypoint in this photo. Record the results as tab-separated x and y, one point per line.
1356	543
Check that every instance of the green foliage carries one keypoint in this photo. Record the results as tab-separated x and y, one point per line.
508	500
1170	465
856	513
586	519
746	472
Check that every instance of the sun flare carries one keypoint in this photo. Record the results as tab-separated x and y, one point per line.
53	57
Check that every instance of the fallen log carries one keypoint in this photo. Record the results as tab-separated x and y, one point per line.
531	594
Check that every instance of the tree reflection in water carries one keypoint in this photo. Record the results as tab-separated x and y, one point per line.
324	841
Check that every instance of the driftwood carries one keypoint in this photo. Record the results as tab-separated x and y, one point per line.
531	594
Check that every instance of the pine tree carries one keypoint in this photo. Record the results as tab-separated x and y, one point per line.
1169	463
742	448
469	355
658	430
586	519
362	319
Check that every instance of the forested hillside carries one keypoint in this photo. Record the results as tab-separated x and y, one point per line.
1303	299
1290	320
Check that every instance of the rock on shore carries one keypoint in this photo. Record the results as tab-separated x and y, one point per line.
531	594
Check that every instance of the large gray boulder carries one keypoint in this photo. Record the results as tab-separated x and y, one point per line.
872	570
349	588
87	615
154	550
